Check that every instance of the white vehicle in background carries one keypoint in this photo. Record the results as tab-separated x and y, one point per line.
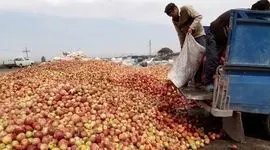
18	62
156	61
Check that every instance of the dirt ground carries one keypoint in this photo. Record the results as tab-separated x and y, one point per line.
256	139
251	144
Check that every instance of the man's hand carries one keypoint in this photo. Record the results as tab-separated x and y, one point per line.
190	30
226	31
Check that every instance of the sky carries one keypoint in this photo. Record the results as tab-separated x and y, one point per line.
100	28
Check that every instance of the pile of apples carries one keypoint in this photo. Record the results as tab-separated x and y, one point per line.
94	105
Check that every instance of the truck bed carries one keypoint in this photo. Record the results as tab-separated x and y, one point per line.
199	94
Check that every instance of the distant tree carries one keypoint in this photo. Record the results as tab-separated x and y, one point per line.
164	51
43	59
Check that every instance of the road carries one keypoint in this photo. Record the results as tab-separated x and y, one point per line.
2	70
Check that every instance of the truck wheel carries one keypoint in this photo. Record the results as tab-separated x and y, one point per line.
267	125
256	125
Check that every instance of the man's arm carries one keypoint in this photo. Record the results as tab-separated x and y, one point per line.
194	14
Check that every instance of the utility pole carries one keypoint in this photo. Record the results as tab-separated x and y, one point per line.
150	47
26	51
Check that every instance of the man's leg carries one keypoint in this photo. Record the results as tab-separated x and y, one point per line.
198	76
212	60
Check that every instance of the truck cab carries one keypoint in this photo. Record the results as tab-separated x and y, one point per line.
22	62
242	84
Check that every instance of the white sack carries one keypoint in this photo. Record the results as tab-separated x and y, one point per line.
187	63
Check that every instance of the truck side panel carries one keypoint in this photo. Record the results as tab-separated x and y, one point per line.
259	47
250	39
249	91
247	66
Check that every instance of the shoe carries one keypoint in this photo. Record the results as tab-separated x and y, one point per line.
209	88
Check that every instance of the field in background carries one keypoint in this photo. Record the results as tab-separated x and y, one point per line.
2	70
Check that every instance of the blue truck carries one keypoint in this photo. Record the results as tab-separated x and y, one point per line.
242	84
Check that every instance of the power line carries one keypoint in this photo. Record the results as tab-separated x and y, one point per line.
26	51
150	47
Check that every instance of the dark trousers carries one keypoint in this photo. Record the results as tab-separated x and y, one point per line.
198	76
213	51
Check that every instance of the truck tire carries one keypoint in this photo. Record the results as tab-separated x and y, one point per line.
256	125
267	125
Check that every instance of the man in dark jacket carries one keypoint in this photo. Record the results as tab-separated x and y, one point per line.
261	5
217	42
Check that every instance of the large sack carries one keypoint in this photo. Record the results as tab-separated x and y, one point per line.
187	63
